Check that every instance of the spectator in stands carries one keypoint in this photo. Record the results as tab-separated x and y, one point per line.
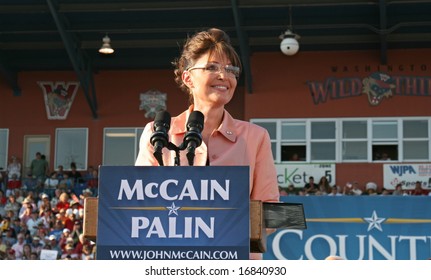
65	236
3	247
57	229
26	214
12	184
93	181
69	254
336	191
51	183
418	190
291	190
282	191
13	168
19	196
47	218
44	204
66	184
26	252
54	245
85	194
398	189
311	187
55	199
60	172
4	224
33	221
11	255
64	202
36	245
3	201
12	205
324	186
352	189
10	237
87	252
74	174
39	167
16	224
69	222
18	246
370	188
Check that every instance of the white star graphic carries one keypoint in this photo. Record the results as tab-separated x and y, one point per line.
375	222
173	209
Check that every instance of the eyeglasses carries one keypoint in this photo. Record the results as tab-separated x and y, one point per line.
230	70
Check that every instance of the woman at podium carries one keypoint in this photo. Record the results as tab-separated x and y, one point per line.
208	71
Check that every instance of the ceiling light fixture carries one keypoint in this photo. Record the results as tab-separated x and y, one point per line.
106	46
289	44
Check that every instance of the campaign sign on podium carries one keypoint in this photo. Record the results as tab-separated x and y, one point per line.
176	212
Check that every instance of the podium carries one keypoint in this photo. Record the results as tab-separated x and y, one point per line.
257	230
137	210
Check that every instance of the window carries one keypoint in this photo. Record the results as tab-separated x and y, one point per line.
271	127
354	140
350	139
385	139
293	137
416	140
4	135
121	146
322	146
71	146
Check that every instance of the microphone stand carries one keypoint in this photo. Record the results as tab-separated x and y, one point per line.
171	146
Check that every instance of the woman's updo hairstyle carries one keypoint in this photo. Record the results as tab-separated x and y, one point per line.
214	41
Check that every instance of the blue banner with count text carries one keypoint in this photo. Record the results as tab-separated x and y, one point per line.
187	213
357	228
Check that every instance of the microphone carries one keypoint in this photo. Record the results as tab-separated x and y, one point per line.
193	137
159	138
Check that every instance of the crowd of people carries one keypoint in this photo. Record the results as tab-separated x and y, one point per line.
42	211
323	188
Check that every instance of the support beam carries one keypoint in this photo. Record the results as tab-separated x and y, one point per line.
243	45
80	62
383	26
11	78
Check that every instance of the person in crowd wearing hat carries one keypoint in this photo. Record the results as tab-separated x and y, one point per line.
69	222
44	203
63	238
37	245
53	242
68	253
370	188
18	246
